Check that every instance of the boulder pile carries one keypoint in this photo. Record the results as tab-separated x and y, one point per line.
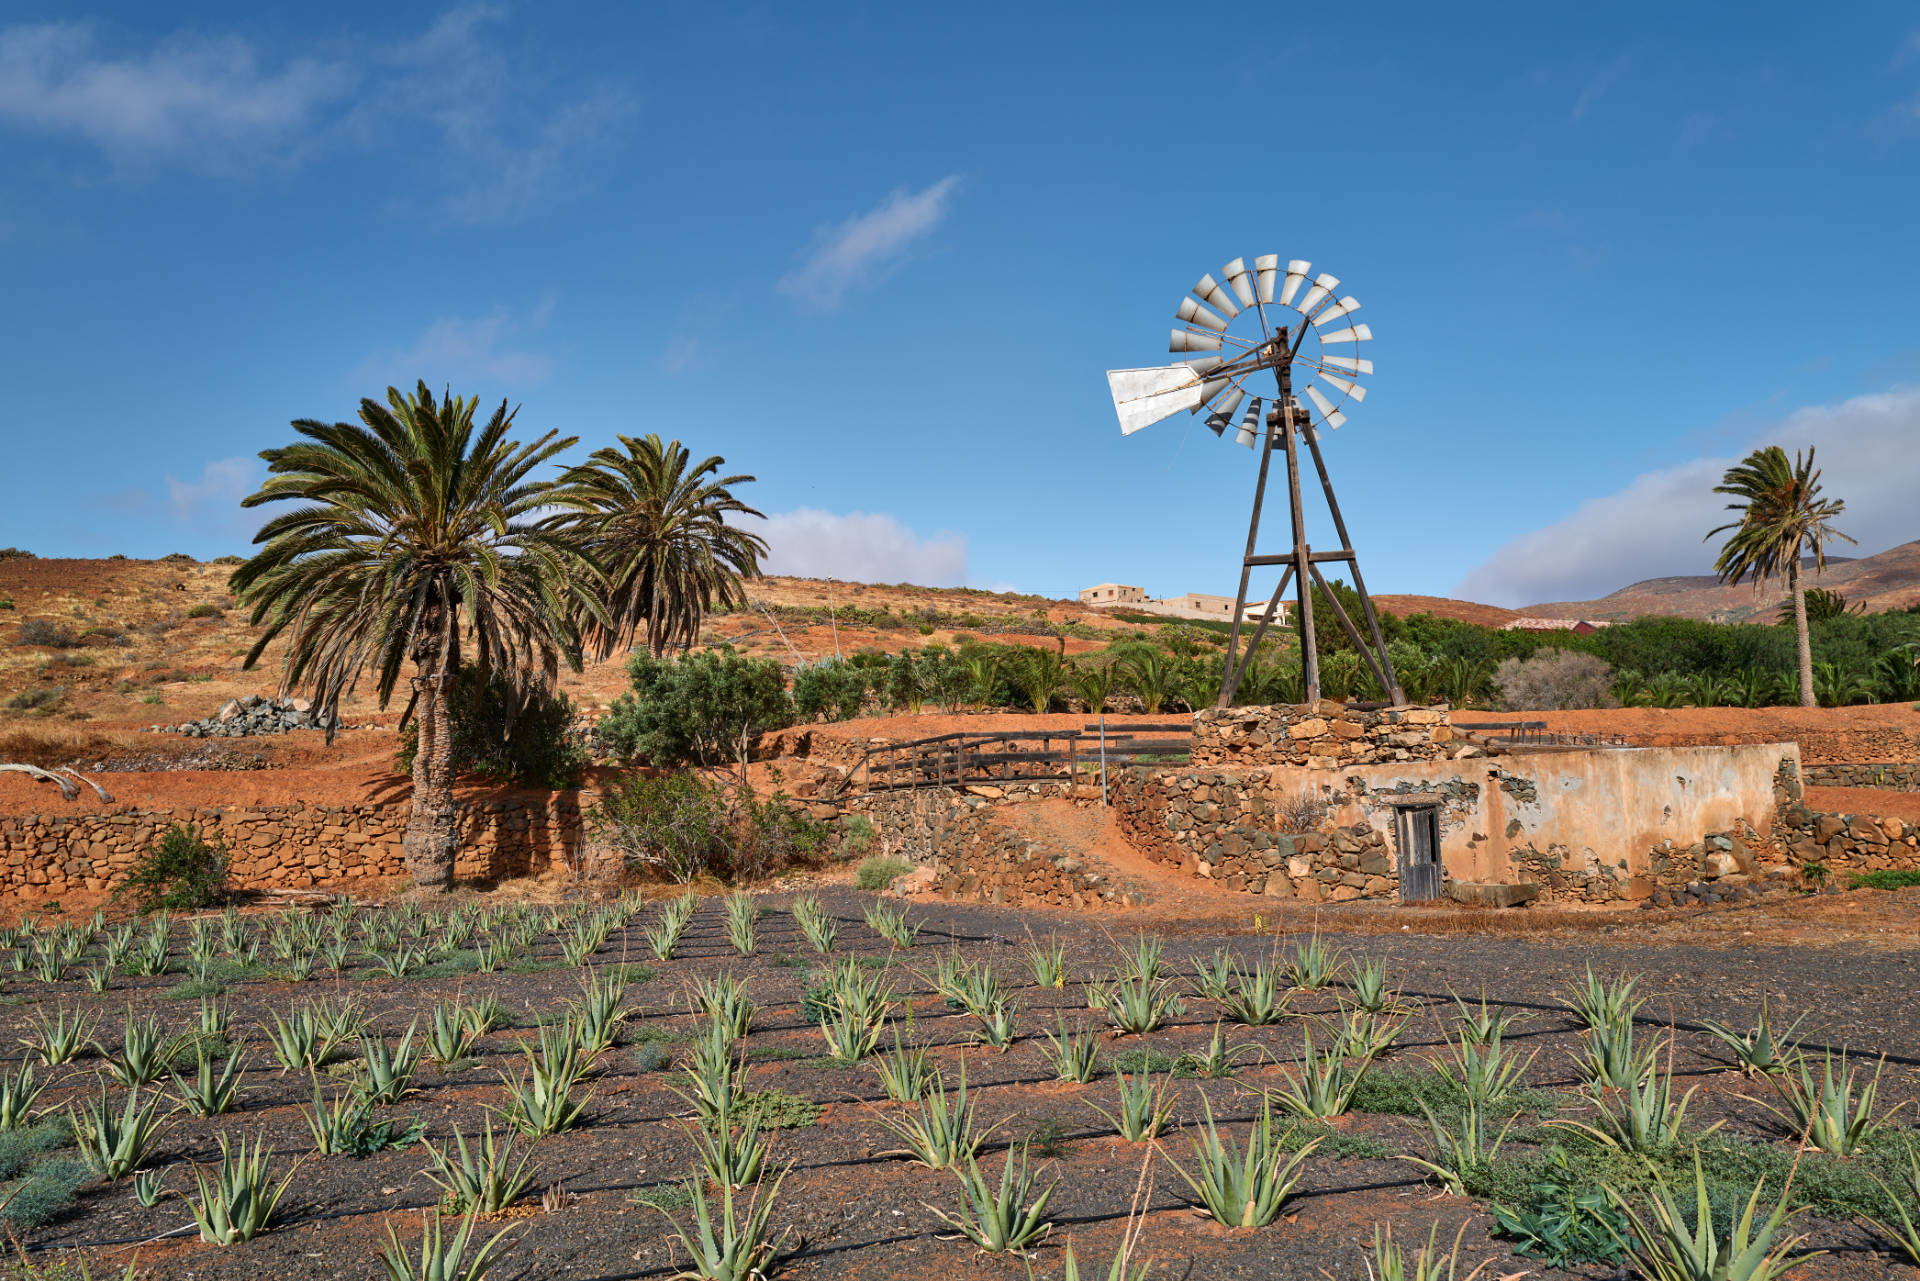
248	716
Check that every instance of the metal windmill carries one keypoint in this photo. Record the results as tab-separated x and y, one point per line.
1230	369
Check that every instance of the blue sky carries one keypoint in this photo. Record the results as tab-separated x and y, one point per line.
881	255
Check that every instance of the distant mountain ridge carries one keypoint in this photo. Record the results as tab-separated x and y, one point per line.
1888	580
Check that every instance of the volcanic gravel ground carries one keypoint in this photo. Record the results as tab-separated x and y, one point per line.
855	1214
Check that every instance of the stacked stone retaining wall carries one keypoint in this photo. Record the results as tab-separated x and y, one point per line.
286	846
962	851
1323	735
1893	776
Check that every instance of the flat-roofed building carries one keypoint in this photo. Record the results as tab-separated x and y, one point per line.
1112	594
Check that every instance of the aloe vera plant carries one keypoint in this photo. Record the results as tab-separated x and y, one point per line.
723	1001
1834	1117
146	1052
18	1093
1760	1051
542	1100
1458	1150
743	915
734	1244
1322	1085
1001	1218
1135	1003
1643	1118
484	1178
819	929
210	1093
1243	1189
239	1201
1600	1004
1256	998
1145	1106
904	1072
1074	1056
1665	1246
1315	964
60	1040
440	1258
1907	1233
388	1071
1213	977
116	1143
1047	963
940	1132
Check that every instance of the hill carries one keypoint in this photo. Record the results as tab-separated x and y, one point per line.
1464	611
1889	580
127	643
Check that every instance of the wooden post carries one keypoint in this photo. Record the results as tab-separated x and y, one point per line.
1302	558
1246	568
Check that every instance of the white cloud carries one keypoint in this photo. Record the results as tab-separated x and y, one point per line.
1599	84
861	547
848	255
1655	526
506	140
204	100
681	354
457	349
223	483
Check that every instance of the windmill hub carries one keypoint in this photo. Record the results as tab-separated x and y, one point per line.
1252	325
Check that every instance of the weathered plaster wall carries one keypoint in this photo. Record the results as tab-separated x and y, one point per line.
1599	824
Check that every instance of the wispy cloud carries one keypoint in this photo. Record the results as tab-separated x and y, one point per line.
507	141
1698	128
205	102
459	349
1598	85
853	253
862	547
222	484
1654	526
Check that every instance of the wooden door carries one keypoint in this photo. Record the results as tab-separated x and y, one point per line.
1418	831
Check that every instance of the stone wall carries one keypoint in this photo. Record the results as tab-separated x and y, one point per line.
964	852
1240	831
287	846
1847	842
1894	776
1323	735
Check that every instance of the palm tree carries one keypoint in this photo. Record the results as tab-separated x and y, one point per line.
657	527
1782	520
416	540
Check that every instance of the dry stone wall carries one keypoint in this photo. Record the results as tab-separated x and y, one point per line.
962	851
1323	735
1893	776
287	846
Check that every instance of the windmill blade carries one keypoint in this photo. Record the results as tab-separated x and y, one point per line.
1323	286
1222	413
1218	298
1296	276
1332	416
1266	267
1352	389
1241	283
1194	314
1336	310
1246	436
1188	340
1142	397
1359	333
1348	363
1202	364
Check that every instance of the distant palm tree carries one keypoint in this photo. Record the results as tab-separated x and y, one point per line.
416	540
1782	520
657	527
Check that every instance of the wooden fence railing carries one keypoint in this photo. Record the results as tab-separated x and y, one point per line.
1011	756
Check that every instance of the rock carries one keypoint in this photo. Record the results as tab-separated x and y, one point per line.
228	710
1491	894
918	881
1299	867
1718	863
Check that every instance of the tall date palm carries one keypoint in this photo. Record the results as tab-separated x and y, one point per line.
419	540
1782	520
657	526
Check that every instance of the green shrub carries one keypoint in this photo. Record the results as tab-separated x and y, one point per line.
830	688
682	827
878	873
181	872
48	1191
1887	878
705	709
506	736
204	610
41	700
44	631
856	836
6	602
15	553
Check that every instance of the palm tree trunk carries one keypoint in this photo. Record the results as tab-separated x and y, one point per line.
431	839
1801	636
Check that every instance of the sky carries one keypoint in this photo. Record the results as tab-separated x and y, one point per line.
880	257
